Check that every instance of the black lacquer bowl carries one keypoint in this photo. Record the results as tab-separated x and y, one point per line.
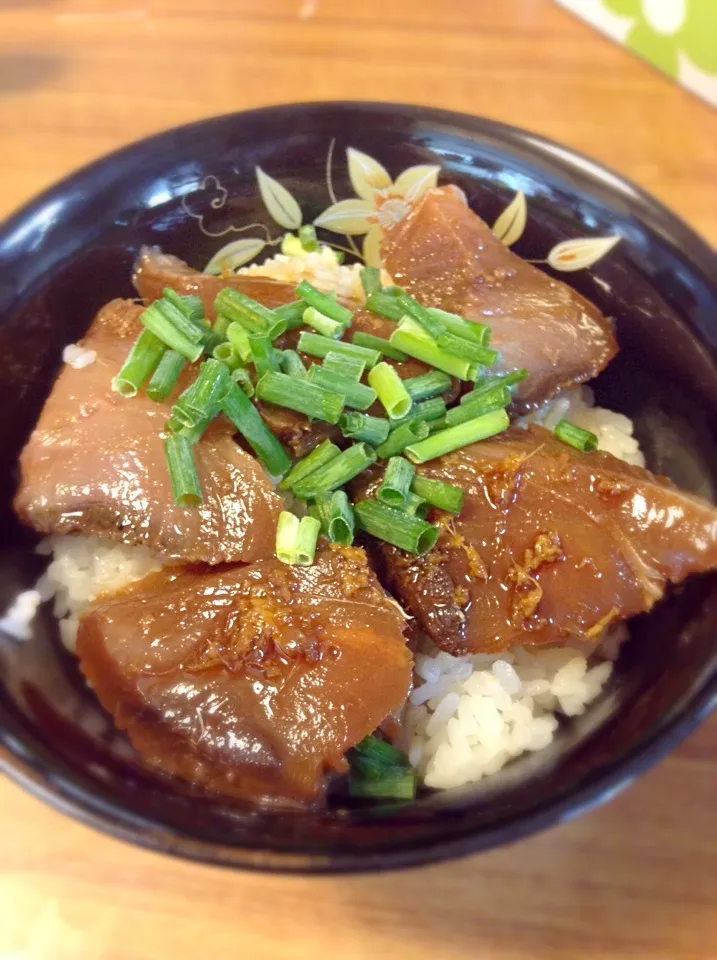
69	251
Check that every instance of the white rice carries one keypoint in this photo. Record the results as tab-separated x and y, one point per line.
77	356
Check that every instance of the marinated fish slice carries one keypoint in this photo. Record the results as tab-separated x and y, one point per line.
447	257
552	544
95	464
252	681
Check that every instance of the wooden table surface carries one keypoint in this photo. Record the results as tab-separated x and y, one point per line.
637	878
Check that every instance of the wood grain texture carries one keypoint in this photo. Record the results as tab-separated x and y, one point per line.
636	879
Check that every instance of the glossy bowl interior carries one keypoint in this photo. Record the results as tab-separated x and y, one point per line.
71	250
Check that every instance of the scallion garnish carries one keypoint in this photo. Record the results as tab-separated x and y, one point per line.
575	436
415	506
140	364
186	488
491	400
225	353
292	313
390	390
307	236
453	438
324	303
396	483
384	305
191	306
291	364
308	398
411	339
341	521
442	495
399	783
208	390
379	769
428	385
484	384
309	530
408	533
164	379
404	434
252	315
378	343
466	348
239	339
465	329
370	280
263	355
428	410
322	454
159	320
221	325
433	325
317	346
287	536
340	470
322	324
241	377
351	367
357	395
246	418
185	317
360	426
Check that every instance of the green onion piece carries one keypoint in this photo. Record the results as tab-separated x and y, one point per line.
394	291
360	426
433	326
183	318
340	470
372	757
263	355
358	396
415	506
488	383
309	530
287	536
428	385
324	453
140	364
575	436
220	325
465	329
396	784
210	341
209	388
241	377
395	527
429	410
191	306
253	315
291	364
421	347
164	379
453	438
239	339
321	510
292	313
226	354
324	303
276	328
442	495
195	431
155	319
396	484
307	236
186	488
370	280
323	324
291	246
245	417
493	400
465	348
384	305
317	346
341	522
390	390
404	434
351	367
313	401
435	425
378	343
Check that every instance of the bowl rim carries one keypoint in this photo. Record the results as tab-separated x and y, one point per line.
57	790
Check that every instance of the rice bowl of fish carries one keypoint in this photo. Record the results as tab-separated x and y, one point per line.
351	511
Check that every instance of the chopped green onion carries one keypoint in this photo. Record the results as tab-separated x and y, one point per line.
488	383
186	488
398	783
465	348
435	425
433	326
384	305
575	436
341	522
317	346
209	388
195	431
393	290
292	313
156	320
291	246
184	318
324	453
465	329
357	395
428	385
291	364
378	343
321	510
415	506
313	401
360	426
395	527
492	400
429	410
453	438
287	536
264	357
309	530
370	280
390	390
421	347
210	341
307	236
404	434
239	339
220	325
324	303
191	306
164	379
276	328
241	377
442	495
340	470
323	324
252	315
226	354
373	757
245	417
396	484
351	367
142	361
